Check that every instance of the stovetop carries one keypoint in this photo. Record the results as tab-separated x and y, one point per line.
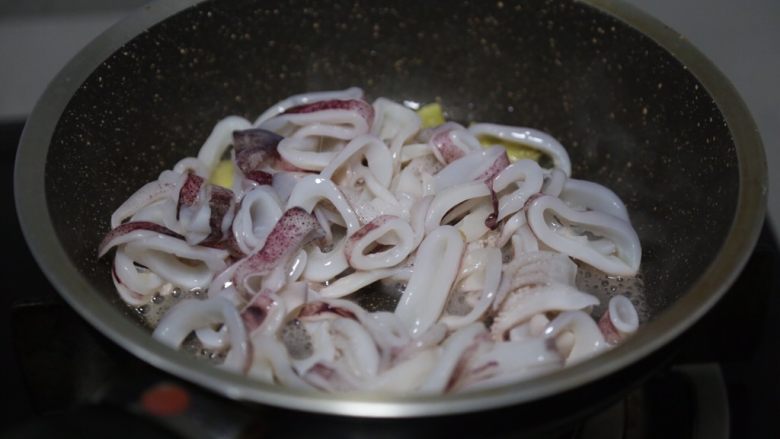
64	378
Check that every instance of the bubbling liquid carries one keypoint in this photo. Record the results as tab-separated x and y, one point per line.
604	287
384	296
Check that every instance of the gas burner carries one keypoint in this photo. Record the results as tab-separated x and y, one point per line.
700	409
96	379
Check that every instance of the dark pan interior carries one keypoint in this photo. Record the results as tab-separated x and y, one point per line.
630	115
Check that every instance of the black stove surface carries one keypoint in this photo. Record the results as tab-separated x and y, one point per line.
62	378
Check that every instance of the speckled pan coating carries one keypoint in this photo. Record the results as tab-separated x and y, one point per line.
631	115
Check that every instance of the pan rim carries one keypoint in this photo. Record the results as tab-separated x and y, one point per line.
35	220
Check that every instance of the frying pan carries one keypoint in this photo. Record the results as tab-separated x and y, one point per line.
638	108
